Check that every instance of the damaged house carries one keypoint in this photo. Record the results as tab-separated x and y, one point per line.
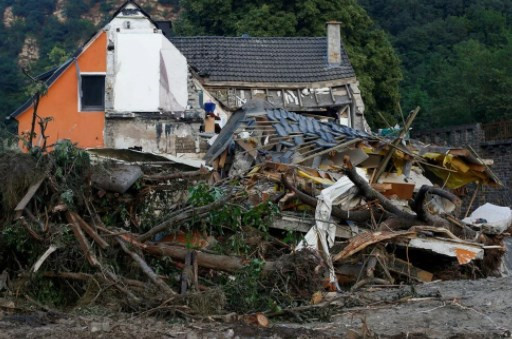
132	87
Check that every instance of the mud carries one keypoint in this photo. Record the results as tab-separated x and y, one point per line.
454	309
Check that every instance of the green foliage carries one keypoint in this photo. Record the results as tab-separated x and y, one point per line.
202	194
58	55
260	216
14	236
373	58
230	217
71	167
244	292
455	55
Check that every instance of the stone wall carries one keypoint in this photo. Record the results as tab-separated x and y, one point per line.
487	147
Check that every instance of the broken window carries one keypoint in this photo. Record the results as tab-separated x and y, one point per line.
93	92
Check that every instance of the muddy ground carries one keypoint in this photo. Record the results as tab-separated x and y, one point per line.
453	309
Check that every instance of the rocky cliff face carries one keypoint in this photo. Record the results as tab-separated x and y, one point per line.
63	11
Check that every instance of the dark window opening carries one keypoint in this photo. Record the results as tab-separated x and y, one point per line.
93	92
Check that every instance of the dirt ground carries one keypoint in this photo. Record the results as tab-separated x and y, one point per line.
453	309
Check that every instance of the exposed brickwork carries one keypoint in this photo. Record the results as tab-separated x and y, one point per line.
498	150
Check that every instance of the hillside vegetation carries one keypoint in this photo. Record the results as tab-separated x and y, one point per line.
456	57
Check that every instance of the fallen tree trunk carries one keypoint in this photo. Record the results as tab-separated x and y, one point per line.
398	218
205	260
357	216
370	194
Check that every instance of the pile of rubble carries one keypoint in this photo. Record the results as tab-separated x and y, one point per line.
284	209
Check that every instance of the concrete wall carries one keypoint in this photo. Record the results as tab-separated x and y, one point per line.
156	135
500	151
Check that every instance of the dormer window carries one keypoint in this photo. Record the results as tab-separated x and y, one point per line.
93	92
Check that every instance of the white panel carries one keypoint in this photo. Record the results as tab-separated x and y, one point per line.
136	87
173	81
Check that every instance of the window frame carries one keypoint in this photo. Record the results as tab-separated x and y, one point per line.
80	93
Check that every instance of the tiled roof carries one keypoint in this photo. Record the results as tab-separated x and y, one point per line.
291	128
251	59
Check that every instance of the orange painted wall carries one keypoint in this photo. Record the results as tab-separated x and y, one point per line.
61	102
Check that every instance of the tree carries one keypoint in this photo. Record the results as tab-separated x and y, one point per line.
474	85
453	55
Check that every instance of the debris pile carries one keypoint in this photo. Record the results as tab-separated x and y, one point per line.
286	208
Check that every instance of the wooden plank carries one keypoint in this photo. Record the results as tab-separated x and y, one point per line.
487	169
248	148
28	196
401	190
209	124
328	150
476	167
381	187
222	160
402	267
395	143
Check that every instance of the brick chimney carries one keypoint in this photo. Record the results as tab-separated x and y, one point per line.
333	43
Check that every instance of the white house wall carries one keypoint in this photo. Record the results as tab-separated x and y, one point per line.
137	72
173	78
145	72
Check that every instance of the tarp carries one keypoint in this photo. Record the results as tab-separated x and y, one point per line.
322	234
491	218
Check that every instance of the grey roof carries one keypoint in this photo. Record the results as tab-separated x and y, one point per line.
286	124
252	59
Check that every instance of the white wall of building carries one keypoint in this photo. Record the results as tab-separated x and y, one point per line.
145	72
173	78
137	72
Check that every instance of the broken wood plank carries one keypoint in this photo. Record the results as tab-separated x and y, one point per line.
43	258
396	142
381	187
487	169
248	148
402	267
223	158
477	167
328	150
28	196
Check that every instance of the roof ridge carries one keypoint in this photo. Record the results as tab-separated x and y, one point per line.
247	38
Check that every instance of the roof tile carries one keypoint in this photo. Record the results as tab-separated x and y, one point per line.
297	59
